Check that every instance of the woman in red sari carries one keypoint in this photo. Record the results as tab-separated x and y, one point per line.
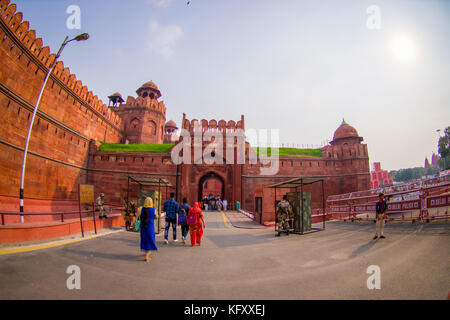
196	229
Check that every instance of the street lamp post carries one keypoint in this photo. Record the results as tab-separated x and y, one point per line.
81	37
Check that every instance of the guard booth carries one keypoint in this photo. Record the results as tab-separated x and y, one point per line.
300	201
150	187
302	212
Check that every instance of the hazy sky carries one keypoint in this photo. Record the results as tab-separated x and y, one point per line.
298	66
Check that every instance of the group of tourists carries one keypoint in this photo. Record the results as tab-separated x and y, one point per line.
189	218
212	202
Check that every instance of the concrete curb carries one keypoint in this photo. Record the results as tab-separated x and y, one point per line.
51	244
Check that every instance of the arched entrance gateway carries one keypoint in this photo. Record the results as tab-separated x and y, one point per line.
211	184
222	176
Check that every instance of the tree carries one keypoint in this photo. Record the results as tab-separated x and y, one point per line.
409	174
444	149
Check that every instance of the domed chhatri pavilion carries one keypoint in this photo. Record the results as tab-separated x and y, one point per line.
345	133
143	117
170	129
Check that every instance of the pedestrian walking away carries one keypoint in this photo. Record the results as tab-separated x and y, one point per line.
381	209
182	219
171	208
196	224
147	218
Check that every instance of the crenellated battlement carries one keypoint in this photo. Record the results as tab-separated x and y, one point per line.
27	41
146	102
212	125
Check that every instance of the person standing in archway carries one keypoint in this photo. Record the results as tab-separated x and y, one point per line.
205	203
196	223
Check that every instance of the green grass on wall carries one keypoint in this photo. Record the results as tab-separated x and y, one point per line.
118	147
291	152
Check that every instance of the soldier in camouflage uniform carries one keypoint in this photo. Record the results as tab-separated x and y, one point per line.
128	213
100	206
285	214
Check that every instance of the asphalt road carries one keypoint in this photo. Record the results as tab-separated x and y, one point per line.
236	263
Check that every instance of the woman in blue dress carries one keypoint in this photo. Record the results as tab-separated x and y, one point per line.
147	217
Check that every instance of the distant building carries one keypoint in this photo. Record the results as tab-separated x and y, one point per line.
379	178
434	162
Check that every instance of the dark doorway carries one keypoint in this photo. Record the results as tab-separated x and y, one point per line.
258	207
211	184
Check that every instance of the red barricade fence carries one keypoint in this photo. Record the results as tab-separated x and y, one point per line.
423	204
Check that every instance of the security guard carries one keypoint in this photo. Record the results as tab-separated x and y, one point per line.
284	216
100	206
128	213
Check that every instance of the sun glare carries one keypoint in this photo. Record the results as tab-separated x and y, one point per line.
403	47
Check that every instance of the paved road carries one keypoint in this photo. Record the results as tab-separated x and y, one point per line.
236	263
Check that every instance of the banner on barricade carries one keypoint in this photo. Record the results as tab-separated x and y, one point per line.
404	206
340	209
360	208
438	201
392	207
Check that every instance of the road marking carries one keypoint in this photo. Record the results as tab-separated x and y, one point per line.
51	244
225	220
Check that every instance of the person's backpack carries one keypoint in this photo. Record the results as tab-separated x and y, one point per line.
192	218
182	217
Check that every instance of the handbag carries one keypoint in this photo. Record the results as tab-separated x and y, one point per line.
137	225
192	218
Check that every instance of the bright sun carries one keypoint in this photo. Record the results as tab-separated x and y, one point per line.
403	47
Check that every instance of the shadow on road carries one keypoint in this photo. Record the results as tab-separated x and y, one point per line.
236	240
130	242
391	227
364	248
104	255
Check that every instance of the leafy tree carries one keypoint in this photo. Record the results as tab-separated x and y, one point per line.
444	149
409	174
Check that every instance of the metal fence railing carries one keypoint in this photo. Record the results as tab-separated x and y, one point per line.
61	214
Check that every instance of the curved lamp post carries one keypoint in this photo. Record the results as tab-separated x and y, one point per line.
80	37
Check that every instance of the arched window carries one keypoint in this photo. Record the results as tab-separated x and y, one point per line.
134	124
152	127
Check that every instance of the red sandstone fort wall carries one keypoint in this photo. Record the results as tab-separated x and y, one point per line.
69	116
109	172
342	174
